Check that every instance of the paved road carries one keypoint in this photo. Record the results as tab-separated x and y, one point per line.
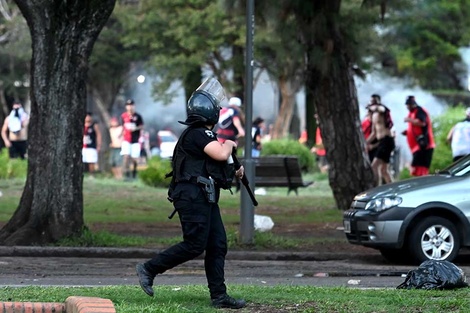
59	267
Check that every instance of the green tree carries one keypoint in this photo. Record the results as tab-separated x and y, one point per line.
62	34
279	52
169	33
111	61
422	41
332	58
15	54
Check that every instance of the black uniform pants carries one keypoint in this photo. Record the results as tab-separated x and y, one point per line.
203	230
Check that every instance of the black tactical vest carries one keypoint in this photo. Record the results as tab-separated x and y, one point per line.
187	168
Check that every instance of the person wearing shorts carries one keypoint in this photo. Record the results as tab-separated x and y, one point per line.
91	144
15	132
419	123
385	148
381	132
115	157
130	148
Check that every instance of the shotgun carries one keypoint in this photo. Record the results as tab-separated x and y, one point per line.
244	180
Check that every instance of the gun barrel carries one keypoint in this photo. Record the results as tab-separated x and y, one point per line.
244	180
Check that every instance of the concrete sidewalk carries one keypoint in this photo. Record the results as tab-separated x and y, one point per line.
94	252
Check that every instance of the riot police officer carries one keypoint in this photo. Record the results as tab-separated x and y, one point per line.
200	170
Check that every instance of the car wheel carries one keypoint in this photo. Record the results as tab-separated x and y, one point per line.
395	256
434	238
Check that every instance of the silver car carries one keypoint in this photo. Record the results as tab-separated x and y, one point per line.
417	219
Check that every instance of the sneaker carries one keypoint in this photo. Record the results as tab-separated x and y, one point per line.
145	279
225	301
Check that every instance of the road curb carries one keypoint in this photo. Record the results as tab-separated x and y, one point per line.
143	253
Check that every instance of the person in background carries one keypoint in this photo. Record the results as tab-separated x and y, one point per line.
91	144
115	157
130	149
459	137
366	126
200	170
230	126
382	133
419	136
15	131
257	135
303	137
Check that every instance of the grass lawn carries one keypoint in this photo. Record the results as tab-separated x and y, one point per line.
194	298
108	202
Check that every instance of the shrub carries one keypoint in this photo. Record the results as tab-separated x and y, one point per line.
405	174
442	124
154	174
12	168
290	147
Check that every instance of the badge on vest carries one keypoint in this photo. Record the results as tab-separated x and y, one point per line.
209	133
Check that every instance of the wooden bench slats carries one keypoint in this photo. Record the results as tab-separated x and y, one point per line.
278	171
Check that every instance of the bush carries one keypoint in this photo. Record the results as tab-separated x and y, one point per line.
154	174
12	168
405	174
442	124
290	147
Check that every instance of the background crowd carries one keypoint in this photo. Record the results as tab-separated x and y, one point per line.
129	142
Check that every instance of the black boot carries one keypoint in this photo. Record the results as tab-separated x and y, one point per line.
225	301
145	279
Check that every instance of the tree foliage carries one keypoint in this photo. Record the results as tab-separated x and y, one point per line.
422	41
169	34
15	53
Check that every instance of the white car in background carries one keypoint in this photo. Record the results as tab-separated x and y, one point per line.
166	144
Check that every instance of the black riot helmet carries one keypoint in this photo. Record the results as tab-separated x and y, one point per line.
204	104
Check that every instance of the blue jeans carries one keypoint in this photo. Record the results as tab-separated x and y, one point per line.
255	153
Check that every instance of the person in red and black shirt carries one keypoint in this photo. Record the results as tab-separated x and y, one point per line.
91	143
230	121
132	126
420	137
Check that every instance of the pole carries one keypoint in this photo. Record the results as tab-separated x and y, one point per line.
247	214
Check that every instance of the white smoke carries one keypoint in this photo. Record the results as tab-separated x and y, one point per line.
159	116
393	92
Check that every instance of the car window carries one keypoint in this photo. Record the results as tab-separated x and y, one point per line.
459	168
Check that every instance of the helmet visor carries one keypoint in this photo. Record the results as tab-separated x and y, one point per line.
214	88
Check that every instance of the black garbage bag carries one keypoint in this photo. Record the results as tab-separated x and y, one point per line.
432	274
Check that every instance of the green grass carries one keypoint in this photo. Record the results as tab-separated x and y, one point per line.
110	201
282	298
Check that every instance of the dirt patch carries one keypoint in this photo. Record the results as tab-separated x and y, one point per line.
327	237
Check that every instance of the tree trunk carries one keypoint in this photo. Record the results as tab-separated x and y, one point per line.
330	78
63	34
288	90
310	121
103	124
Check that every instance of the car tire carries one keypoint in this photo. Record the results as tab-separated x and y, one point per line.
434	238
395	256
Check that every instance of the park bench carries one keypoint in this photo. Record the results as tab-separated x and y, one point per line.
278	171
